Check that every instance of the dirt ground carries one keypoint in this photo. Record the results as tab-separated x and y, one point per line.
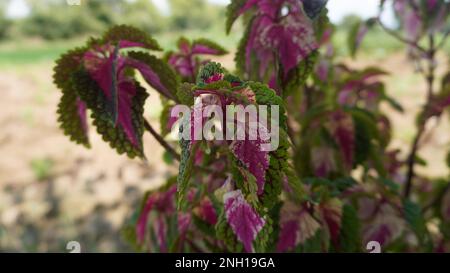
53	191
83	195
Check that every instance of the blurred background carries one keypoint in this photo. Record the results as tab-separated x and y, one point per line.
53	192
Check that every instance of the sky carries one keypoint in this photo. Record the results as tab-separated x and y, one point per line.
338	9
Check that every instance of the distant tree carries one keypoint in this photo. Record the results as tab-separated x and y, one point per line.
143	14
204	15
5	23
349	21
91	17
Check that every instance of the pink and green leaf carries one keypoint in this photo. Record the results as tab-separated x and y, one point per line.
296	226
72	112
243	219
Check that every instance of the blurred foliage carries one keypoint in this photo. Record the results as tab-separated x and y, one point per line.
54	19
200	15
51	20
42	168
349	21
5	24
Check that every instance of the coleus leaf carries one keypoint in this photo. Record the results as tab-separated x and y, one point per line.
366	131
207	212
342	129
186	61
185	94
362	87
441	101
104	82
188	151
331	212
129	36
242	218
204	46
209	73
386	226
112	70
410	19
158	218
315	244
296	226
273	38
72	112
127	137
255	159
298	76
278	162
233	12
117	88
356	36
161	201
156	73
323	160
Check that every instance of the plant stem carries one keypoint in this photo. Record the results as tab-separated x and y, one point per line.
402	39
161	140
169	148
421	127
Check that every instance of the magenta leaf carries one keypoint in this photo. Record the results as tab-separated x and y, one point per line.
332	214
116	97
207	212
127	36
186	61
357	34
155	72
343	131
72	112
281	33
323	161
162	203
119	89
410	19
296	226
386	226
242	218
249	152
441	101
207	47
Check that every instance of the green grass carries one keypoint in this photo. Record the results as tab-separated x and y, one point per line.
25	52
32	52
377	44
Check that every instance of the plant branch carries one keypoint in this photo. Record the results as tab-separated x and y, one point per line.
169	148
421	127
161	140
402	39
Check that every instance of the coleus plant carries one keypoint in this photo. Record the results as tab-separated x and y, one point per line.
332	184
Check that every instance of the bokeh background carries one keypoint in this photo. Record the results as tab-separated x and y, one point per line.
53	192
